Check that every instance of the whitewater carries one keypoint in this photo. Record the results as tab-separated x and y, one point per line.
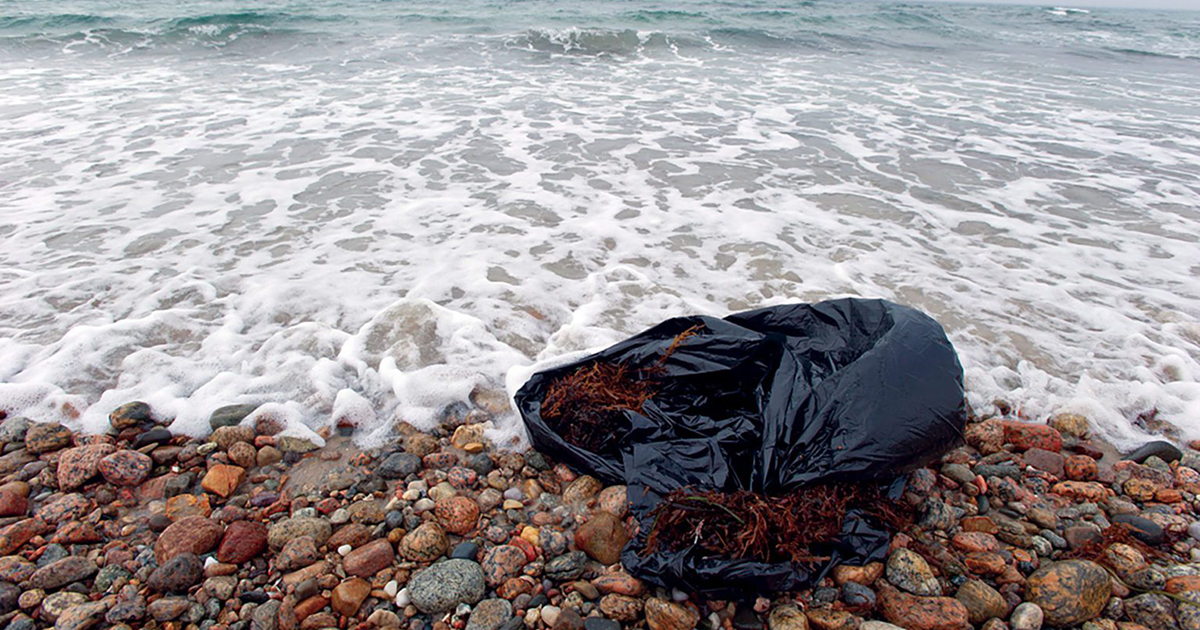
370	211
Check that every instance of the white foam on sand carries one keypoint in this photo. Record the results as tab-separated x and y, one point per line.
375	241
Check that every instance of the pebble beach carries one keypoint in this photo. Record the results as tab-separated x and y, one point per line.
1026	526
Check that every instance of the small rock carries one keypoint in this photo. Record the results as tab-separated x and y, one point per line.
349	595
242	542
77	465
194	534
621	607
458	515
62	572
787	617
982	601
1163	450
921	613
318	529
369	559
446	584
490	614
45	437
81	616
666	615
298	553
909	571
230	415
1069	592
223	479
602	537
426	543
126	468
130	415
1026	616
177	574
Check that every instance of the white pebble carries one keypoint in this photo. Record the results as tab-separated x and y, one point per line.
1027	616
402	598
463	609
391	588
550	615
344	549
678	595
209	561
424	505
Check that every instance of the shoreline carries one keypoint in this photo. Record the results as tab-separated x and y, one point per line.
246	529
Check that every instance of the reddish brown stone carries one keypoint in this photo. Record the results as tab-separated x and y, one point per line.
1069	592
182	506
126	468
602	537
369	559
458	515
1182	583
194	534
979	524
1080	468
514	586
914	612
974	541
76	532
12	503
620	583
984	563
987	436
1079	490
349	595
353	534
1024	436
77	465
19	533
68	507
310	606
222	479
242	541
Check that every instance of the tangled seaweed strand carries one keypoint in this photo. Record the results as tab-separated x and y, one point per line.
743	524
1118	533
587	406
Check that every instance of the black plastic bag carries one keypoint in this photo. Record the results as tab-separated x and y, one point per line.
769	401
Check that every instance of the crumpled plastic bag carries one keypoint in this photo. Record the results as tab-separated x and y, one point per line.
769	401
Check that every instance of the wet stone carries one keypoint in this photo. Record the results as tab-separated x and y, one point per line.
130	415
230	415
157	435
126	468
43	437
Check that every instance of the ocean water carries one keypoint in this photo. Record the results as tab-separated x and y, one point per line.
368	210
